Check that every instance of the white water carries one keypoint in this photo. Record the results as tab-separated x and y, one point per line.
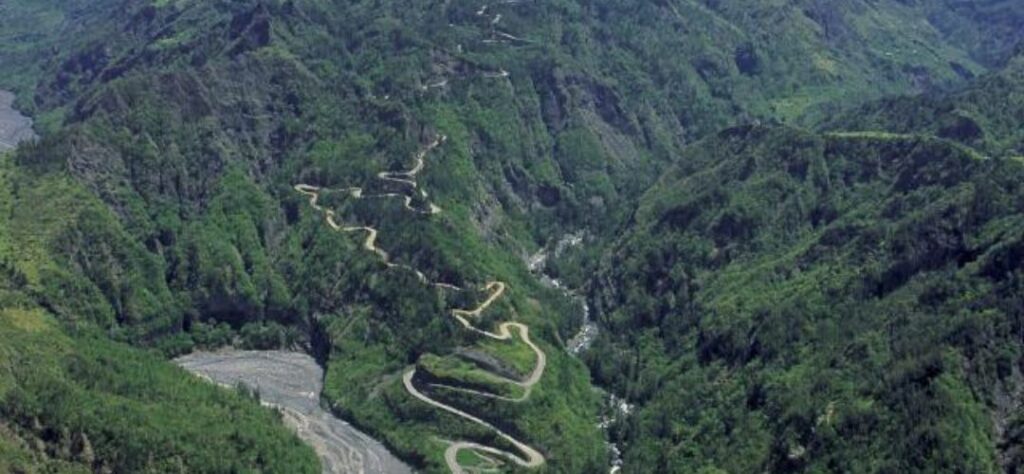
588	331
618	408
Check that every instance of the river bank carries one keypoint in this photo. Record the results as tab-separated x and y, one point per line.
292	382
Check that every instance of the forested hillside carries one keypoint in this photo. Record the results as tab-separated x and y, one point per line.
984	115
851	301
75	401
362	180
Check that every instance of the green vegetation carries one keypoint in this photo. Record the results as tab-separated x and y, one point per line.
100	405
454	372
75	401
771	278
820	295
519	357
984	115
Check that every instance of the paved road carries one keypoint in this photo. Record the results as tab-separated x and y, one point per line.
14	127
293	381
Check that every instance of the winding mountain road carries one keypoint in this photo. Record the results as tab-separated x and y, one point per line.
406	178
504	333
530	457
496	36
533	457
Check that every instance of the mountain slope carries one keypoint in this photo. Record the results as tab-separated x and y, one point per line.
73	400
176	133
991	30
819	293
984	115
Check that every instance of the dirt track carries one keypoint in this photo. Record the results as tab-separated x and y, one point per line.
292	382
408	178
533	458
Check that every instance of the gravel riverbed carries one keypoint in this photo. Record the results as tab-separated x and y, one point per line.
292	382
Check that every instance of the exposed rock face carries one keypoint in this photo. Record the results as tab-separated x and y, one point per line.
14	127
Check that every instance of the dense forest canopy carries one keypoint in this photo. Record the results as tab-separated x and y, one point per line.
801	228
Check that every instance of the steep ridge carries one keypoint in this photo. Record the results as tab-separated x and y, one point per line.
408	179
497	289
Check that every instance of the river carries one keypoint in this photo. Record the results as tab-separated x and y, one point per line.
616	409
583	338
14	127
292	382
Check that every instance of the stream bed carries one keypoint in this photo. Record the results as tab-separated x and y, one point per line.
292	382
615	409
582	340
